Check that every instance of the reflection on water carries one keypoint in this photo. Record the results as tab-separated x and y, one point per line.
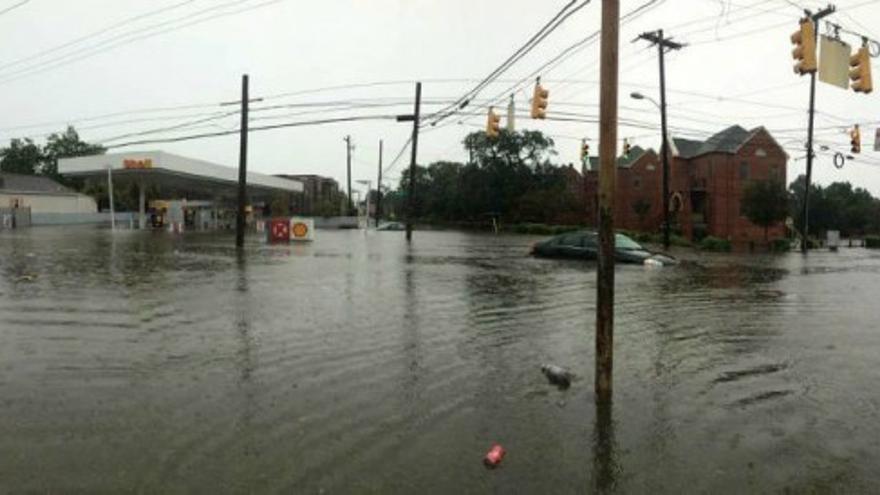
358	363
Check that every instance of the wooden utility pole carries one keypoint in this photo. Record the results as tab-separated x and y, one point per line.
379	188
804	232
348	173
607	170
411	199
663	44
242	165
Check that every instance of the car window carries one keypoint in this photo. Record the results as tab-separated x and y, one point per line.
571	240
623	242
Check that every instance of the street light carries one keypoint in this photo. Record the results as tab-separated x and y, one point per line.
665	158
639	96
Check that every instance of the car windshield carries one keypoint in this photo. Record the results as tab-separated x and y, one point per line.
625	243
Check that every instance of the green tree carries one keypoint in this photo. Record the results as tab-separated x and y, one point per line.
22	156
765	203
65	145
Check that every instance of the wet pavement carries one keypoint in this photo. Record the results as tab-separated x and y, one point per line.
138	362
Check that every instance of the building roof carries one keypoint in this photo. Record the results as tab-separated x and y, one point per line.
30	183
175	174
623	161
726	141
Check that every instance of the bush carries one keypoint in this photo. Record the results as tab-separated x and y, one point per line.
715	244
872	241
780	246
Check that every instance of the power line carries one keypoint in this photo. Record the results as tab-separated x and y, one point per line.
127	38
545	31
255	129
13	7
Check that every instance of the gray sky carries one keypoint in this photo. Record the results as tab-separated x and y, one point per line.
736	71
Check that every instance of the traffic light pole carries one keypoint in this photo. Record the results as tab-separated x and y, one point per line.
805	229
608	73
662	44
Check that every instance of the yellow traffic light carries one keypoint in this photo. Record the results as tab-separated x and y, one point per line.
493	123
855	139
626	147
860	72
539	101
585	152
804	51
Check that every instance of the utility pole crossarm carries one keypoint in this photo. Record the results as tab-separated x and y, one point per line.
657	38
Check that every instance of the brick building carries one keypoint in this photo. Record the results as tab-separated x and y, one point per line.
706	182
317	192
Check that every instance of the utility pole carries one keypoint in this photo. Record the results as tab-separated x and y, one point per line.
607	169
348	173
410	197
662	44
379	189
242	165
804	235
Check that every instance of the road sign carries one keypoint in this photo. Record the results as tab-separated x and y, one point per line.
834	62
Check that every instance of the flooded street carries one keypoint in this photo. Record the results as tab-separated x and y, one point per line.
138	362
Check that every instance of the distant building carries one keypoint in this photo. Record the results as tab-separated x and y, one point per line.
318	192
706	181
32	196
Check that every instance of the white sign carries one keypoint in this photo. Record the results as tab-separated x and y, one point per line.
302	229
833	239
834	62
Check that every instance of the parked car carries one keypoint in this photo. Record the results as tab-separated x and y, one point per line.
392	226
584	244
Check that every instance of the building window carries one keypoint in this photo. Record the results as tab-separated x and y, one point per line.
743	171
637	182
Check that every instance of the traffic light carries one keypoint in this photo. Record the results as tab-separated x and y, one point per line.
493	123
626	147
804	51
585	152
860	72
855	139
539	101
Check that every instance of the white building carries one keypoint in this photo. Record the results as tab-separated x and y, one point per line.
36	199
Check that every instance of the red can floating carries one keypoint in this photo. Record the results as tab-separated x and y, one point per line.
494	456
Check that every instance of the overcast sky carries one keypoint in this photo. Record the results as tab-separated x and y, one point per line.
66	62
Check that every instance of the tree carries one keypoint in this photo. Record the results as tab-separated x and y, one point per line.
765	203
21	157
65	145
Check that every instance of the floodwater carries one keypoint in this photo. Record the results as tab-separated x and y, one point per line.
138	362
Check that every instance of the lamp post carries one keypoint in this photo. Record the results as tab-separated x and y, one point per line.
664	152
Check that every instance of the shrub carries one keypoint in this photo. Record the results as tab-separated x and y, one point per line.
780	246
872	241
715	244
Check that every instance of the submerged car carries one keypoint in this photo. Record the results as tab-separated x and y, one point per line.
392	226
584	244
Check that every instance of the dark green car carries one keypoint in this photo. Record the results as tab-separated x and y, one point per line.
584	244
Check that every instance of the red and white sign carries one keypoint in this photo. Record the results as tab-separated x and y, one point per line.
279	230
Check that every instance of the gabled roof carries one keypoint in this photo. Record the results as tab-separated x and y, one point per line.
30	183
727	141
623	161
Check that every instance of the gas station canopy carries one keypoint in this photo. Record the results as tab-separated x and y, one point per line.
176	175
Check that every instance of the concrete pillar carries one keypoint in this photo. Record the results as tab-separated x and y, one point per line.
142	206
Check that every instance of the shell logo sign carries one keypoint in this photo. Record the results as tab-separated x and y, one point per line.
137	164
302	229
